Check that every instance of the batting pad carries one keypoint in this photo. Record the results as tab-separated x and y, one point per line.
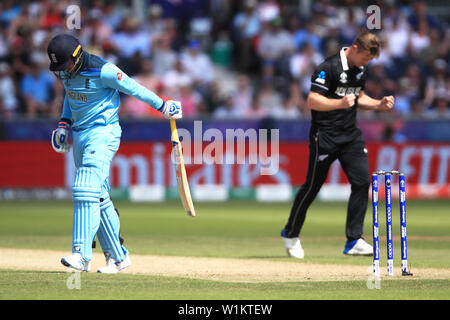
86	191
108	232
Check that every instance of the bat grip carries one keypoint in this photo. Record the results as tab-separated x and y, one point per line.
173	129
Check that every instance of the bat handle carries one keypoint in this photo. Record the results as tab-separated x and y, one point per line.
173	129
173	125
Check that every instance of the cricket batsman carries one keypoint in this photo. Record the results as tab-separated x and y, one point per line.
337	91
91	105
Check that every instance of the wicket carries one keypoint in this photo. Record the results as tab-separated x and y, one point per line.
376	241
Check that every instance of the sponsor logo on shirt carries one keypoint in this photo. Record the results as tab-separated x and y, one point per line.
77	96
345	91
321	77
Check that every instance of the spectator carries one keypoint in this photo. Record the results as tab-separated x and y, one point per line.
402	98
3	43
190	100
268	98
226	109
155	23
110	52
131	39
350	16
397	38
51	16
9	11
268	10
437	81
440	108
432	52
420	14
256	111
288	111
8	101
215	98
175	78
245	28
111	14
197	64
417	108
95	30
275	44
413	66
164	58
39	89
307	35
419	39
413	82
242	96
302	65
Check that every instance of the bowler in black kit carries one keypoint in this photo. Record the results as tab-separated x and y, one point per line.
337	91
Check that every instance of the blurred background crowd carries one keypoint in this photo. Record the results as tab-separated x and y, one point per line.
227	58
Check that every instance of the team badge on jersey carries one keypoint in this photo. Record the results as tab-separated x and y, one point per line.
343	77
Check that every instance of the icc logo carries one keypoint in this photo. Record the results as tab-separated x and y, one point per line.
373	14
119	76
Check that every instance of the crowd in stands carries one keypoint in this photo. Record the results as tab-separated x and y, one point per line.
225	58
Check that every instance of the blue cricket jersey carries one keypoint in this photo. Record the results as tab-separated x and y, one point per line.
92	95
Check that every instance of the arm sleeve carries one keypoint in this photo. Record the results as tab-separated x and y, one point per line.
321	79
66	112
113	77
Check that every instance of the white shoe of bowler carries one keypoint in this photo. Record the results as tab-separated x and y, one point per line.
360	248
293	247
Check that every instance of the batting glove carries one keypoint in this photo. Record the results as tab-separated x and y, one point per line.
172	109
60	137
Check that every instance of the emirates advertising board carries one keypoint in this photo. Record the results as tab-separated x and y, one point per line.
34	165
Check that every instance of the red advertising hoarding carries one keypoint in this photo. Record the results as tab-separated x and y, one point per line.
36	165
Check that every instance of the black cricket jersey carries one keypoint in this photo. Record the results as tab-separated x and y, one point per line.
334	79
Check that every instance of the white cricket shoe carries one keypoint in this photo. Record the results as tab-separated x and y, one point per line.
77	262
293	247
358	248
112	266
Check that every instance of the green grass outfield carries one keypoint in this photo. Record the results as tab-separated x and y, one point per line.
238	229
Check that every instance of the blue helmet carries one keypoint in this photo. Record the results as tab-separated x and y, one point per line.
63	49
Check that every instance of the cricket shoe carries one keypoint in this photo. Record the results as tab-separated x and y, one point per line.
112	266
77	262
293	246
358	248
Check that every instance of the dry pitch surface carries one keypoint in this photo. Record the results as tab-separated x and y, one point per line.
219	269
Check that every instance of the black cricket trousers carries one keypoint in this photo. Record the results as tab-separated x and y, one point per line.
324	148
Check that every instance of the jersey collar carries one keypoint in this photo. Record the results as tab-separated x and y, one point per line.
344	60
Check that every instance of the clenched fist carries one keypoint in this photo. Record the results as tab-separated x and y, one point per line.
347	101
387	103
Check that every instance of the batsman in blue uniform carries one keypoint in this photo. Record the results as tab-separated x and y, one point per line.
90	109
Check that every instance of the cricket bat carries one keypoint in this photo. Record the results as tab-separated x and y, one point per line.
182	181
